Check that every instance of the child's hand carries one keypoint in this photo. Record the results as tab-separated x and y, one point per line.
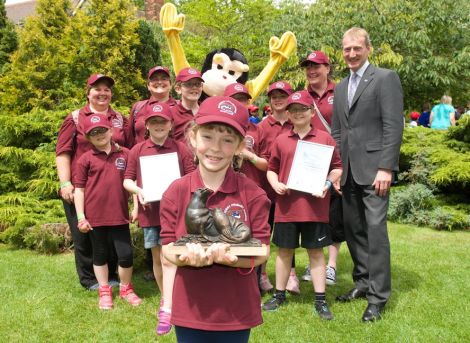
84	226
280	188
196	256
140	196
134	213
221	255
66	193
323	193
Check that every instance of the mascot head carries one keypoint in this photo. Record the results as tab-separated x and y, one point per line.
221	68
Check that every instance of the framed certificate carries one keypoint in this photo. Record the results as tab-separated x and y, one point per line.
158	172
310	167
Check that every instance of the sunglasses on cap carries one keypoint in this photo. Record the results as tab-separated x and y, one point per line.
192	84
298	109
97	131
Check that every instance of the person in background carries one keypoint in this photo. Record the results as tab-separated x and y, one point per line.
71	145
317	71
414	116
271	127
253	109
423	119
442	115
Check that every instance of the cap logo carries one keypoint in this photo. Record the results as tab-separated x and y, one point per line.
227	107
192	71
157	108
296	96
279	85
312	55
239	88
95	119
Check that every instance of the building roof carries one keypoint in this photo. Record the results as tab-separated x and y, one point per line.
17	10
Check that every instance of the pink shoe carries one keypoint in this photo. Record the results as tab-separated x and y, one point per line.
106	297
127	293
264	283
164	325
293	286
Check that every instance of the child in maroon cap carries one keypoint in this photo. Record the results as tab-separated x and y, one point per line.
102	210
300	214
189	86
158	123
215	295
159	86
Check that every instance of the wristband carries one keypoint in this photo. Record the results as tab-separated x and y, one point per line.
80	216
328	184
254	159
64	184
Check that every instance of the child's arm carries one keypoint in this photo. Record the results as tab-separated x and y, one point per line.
259	162
79	199
135	208
331	180
273	179
131	187
196	256
220	255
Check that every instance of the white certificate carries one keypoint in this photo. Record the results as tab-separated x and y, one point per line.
310	167
158	172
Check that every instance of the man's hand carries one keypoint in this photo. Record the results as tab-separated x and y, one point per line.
382	182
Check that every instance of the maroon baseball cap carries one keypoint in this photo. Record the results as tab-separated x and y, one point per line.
160	109
317	57
187	74
158	69
302	97
94	78
95	120
223	109
236	88
281	86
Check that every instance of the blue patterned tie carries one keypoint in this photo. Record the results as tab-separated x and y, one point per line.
353	81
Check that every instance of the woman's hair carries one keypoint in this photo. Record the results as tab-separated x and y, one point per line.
194	128
446	100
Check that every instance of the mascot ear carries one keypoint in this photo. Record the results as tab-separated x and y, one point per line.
221	68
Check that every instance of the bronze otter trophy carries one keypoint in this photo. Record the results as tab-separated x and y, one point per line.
207	226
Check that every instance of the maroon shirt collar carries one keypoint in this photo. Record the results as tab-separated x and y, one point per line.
312	132
329	88
273	121
229	185
87	111
150	144
113	150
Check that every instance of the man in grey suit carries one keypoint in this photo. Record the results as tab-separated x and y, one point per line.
368	128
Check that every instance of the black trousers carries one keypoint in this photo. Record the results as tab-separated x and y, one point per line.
365	224
84	252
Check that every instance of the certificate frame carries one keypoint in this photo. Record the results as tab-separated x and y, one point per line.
158	172
310	167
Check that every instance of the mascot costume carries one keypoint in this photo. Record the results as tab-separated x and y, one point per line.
223	67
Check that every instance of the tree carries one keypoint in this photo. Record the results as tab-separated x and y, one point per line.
37	66
8	39
427	42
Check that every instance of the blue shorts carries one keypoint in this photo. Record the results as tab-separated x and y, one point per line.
152	237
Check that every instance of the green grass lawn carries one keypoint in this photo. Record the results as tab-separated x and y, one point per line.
42	301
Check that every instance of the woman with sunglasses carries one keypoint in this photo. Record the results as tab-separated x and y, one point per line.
71	145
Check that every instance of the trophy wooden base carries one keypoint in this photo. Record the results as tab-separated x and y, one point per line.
234	249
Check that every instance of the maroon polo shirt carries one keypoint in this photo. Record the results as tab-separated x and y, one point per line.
324	104
137	123
253	144
216	298
71	139
182	118
150	214
270	130
298	206
102	176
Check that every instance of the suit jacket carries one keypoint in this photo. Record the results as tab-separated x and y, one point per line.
369	134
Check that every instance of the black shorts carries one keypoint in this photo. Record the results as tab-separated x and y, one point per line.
336	218
313	235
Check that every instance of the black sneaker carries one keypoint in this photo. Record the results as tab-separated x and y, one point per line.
321	307
274	303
